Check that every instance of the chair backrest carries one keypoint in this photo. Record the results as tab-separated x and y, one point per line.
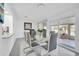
27	38
33	33
44	33
52	41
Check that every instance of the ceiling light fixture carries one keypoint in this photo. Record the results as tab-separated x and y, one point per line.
40	5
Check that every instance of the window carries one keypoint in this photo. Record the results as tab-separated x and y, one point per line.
54	28
63	29
68	29
72	30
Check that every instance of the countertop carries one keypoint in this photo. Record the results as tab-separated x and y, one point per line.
6	44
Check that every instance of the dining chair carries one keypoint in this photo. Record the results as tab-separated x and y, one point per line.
51	44
32	44
33	34
44	33
27	41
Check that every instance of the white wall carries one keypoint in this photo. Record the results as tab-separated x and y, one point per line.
19	26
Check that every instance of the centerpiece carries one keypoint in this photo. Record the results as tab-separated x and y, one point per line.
40	32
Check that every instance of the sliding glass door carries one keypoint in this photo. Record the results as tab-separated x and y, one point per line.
66	33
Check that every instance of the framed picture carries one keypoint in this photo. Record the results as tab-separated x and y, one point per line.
27	26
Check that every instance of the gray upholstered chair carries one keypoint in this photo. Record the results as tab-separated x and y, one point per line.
33	33
52	43
44	33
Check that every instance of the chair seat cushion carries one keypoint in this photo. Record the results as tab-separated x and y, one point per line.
45	46
34	44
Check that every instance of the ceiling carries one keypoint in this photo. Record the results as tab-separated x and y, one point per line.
37	12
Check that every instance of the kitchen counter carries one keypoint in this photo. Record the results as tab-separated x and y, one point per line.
6	44
6	36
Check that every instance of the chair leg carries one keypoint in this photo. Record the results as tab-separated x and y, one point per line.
28	52
25	49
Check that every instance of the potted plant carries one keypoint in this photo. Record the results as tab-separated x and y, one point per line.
40	32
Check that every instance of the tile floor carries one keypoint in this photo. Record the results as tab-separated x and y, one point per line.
66	41
20	44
